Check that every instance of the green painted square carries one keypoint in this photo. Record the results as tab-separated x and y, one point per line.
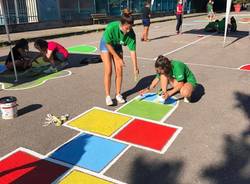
148	110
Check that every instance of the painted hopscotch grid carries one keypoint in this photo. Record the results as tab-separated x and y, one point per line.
22	166
36	178
162	151
89	151
100	122
150	107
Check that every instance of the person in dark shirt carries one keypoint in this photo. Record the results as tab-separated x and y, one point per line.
146	22
21	59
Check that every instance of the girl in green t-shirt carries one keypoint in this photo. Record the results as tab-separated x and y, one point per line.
177	74
116	35
210	10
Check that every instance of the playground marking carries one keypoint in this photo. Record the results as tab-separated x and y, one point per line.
36	85
167	109
23	167
69	167
89	151
245	67
106	125
82	49
147	134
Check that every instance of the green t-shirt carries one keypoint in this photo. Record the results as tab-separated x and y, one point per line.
113	35
209	7
181	72
221	26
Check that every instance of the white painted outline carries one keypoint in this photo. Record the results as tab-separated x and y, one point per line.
3	88
95	49
164	149
60	163
194	64
161	121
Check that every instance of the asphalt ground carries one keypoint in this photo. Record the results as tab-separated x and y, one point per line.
214	145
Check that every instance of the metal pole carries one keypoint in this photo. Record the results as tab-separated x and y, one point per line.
16	11
108	8
8	35
95	6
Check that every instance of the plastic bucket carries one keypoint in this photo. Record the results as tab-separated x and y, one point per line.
8	106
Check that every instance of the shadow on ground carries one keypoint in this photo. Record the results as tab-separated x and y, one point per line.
143	83
29	109
43	172
235	167
36	75
244	104
198	93
162	37
151	172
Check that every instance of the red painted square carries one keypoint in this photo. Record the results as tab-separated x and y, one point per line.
146	134
24	168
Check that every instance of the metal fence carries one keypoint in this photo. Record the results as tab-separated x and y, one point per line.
19	11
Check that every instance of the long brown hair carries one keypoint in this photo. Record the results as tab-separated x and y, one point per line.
163	63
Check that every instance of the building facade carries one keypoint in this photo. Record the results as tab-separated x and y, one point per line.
30	11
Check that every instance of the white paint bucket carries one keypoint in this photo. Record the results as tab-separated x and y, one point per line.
8	107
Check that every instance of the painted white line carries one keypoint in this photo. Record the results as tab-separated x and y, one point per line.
195	64
88	173
161	121
7	89
185	46
120	129
58	162
170	142
49	153
115	160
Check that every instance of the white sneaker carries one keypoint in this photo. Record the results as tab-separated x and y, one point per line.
120	99
109	101
187	100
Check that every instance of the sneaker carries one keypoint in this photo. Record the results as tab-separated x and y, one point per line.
50	70
120	99
187	100
109	101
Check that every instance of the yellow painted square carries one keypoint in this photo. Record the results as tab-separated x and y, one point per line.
100	122
77	177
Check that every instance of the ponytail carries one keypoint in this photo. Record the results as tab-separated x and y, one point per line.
127	17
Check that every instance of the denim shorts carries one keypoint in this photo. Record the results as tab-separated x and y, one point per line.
103	48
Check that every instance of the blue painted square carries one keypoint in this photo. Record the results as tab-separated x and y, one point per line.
149	97
170	101
153	97
89	152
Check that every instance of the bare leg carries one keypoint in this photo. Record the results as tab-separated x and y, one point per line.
146	33
187	90
118	76
107	71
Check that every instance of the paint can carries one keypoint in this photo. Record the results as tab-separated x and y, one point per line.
8	106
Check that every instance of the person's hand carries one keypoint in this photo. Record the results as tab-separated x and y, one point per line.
120	61
165	95
136	74
142	92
